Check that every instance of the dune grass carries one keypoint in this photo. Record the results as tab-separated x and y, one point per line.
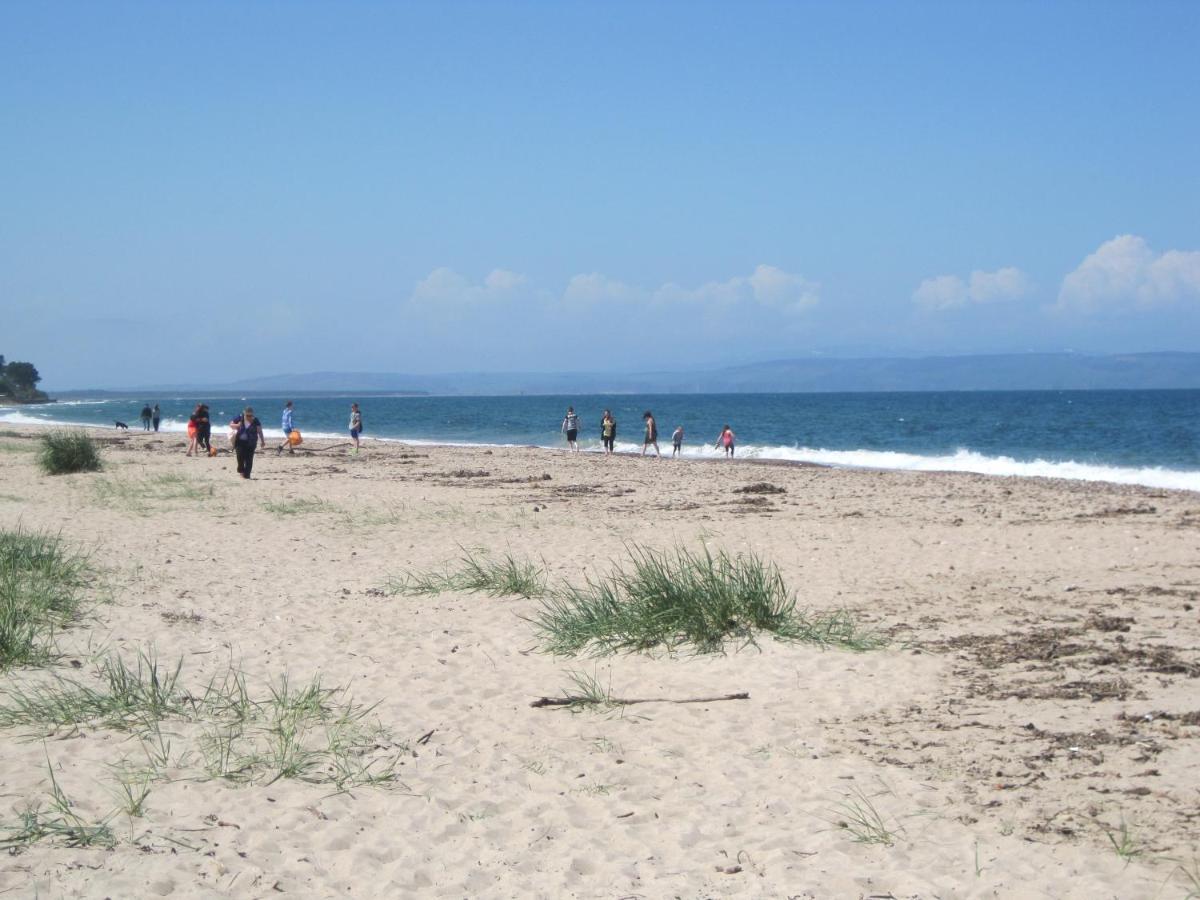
588	693
477	571
143	497
299	506
127	697
700	600
858	816
64	451
301	731
41	591
56	821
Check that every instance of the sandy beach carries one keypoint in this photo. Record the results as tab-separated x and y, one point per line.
1033	711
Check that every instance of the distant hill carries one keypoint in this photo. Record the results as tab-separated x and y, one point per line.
1028	371
1032	371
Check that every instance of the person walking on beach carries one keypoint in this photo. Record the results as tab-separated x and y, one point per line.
147	415
204	430
677	441
650	439
156	416
288	427
355	425
570	427
608	431
726	439
247	438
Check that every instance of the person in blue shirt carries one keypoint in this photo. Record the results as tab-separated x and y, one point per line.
288	426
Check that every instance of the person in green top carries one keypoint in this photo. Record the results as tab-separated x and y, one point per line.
608	431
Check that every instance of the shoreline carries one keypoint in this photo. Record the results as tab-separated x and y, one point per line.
327	439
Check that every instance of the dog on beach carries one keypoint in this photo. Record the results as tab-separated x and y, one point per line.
121	425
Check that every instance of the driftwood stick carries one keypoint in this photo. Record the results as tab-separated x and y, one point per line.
330	447
618	701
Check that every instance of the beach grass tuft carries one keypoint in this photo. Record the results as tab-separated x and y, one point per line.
141	497
477	571
858	816
128	698
132	790
1124	841
302	731
299	506
58	822
41	590
588	693
64	451
700	600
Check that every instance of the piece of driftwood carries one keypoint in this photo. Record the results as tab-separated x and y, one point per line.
618	701
330	447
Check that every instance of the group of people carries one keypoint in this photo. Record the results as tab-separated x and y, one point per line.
246	434
200	432
608	434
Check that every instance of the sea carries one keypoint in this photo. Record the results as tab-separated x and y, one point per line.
1149	438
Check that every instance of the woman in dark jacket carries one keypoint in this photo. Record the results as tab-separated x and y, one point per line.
247	438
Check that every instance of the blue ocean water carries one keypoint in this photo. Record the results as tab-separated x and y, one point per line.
1133	437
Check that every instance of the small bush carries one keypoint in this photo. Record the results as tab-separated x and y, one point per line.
67	451
697	599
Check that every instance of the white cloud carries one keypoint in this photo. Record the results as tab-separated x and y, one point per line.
445	286
951	291
1125	272
782	290
942	292
1008	283
596	288
501	280
766	286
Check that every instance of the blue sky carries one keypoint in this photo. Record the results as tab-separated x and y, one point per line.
202	192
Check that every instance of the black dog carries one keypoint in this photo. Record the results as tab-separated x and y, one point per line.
121	425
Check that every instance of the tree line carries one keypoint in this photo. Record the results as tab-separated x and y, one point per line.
18	381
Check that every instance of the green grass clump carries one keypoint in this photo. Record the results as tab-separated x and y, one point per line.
128	698
41	590
68	450
684	598
478	572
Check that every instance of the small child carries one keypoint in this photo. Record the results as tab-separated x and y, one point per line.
677	442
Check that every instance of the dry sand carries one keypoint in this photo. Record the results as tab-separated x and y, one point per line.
1039	692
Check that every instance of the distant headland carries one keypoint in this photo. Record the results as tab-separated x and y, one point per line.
18	383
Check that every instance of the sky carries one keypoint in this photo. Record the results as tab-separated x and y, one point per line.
196	193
